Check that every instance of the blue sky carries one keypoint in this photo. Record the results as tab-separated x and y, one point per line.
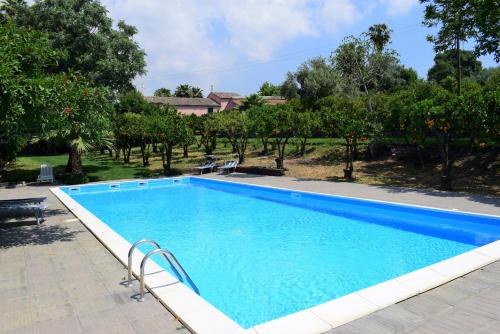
237	45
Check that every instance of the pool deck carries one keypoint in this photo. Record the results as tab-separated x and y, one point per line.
59	278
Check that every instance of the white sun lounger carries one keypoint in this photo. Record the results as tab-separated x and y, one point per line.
230	165
46	174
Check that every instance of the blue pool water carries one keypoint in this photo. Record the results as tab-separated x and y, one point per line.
259	253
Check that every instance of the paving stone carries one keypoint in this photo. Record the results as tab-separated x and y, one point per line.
15	314
158	324
68	325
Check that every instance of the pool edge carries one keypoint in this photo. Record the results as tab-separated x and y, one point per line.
314	320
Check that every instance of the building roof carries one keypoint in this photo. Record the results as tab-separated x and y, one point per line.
183	101
274	99
226	95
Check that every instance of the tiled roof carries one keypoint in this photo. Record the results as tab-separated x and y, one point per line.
226	95
183	101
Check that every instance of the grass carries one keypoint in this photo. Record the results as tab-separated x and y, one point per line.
323	161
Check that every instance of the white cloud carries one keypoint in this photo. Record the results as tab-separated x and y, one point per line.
258	28
186	39
399	7
337	14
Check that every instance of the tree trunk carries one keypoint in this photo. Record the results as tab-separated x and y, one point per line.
265	149
110	152
446	177
145	158
168	154
185	152
303	143
74	165
348	163
459	64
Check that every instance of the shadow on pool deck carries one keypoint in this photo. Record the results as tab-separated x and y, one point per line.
20	234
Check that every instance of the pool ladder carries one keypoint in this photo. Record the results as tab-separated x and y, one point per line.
169	257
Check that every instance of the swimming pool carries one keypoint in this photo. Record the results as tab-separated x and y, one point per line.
258	253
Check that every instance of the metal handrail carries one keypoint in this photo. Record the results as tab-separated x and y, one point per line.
170	258
131	251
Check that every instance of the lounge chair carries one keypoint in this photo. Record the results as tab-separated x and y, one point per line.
31	200
206	166
46	174
21	208
229	166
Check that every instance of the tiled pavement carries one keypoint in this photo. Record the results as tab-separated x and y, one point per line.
58	278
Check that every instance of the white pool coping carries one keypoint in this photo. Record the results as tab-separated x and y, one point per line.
201	317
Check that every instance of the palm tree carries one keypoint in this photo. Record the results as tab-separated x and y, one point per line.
380	35
196	92
183	91
163	92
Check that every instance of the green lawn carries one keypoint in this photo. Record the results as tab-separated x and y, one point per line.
96	168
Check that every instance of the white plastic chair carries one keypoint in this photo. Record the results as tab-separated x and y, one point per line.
46	174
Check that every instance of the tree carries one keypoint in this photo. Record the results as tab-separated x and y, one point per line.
250	101
313	80
235	126
77	113
196	92
105	55
461	21
132	101
282	129
163	92
168	129
305	124
186	90
209	132
361	66
347	117
125	128
261	125
268	89
25	56
411	106
380	35
445	65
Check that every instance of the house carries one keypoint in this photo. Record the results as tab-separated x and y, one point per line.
224	98
216	101
187	105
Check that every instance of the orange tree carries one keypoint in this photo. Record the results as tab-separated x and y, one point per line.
346	117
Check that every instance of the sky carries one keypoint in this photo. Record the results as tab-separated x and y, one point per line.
236	45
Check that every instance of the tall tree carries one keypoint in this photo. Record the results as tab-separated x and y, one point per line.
460	21
163	92
361	66
105	55
380	35
445	65
313	80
